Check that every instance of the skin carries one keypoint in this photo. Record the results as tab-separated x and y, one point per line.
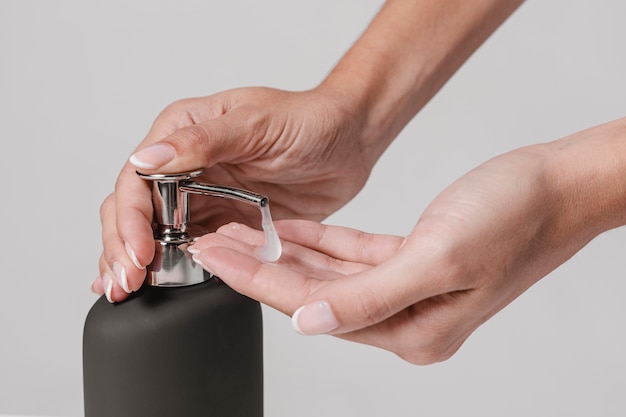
480	244
309	151
259	132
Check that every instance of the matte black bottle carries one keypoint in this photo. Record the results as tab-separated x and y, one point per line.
186	344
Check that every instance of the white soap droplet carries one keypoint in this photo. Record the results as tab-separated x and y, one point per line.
272	248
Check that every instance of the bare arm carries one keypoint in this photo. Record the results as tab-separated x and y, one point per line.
481	243
406	55
310	151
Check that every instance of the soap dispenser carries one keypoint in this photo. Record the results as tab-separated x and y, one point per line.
185	344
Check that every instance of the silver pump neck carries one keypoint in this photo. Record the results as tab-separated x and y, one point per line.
172	265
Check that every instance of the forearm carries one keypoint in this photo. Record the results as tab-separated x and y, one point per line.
587	176
406	55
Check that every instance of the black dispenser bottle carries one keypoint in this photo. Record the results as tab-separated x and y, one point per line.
185	345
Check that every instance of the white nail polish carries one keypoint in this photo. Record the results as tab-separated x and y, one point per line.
139	163
108	289
294	320
153	156
197	260
133	256
122	277
124	282
315	318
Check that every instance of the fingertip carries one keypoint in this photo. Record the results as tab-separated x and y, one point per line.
134	247
121	276
107	286
229	227
294	320
315	318
153	156
133	256
242	233
96	286
198	259
135	279
279	288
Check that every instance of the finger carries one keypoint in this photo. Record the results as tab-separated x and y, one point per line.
280	288
231	138
118	256
367	298
96	286
242	233
134	210
211	240
340	242
105	284
294	256
132	220
339	306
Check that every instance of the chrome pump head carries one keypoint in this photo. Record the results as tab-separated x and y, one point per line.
172	265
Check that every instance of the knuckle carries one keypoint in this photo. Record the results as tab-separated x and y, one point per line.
103	264
363	244
178	114
190	137
107	206
175	109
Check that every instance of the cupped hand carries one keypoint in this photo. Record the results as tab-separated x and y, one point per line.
302	149
479	245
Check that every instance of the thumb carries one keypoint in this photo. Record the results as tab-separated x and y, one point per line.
224	139
336	306
364	299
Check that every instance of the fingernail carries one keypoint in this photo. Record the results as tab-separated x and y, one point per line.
192	250
154	156
314	318
107	284
133	256
120	275
197	260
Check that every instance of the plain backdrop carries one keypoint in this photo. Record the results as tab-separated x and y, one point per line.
81	82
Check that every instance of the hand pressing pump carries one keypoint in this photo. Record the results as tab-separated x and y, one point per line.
185	344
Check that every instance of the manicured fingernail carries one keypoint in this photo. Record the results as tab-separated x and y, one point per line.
133	256
197	260
121	277
192	250
153	156
107	284
314	318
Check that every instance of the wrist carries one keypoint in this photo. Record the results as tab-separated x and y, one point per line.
405	56
587	174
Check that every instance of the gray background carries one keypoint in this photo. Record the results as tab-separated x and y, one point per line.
81	82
